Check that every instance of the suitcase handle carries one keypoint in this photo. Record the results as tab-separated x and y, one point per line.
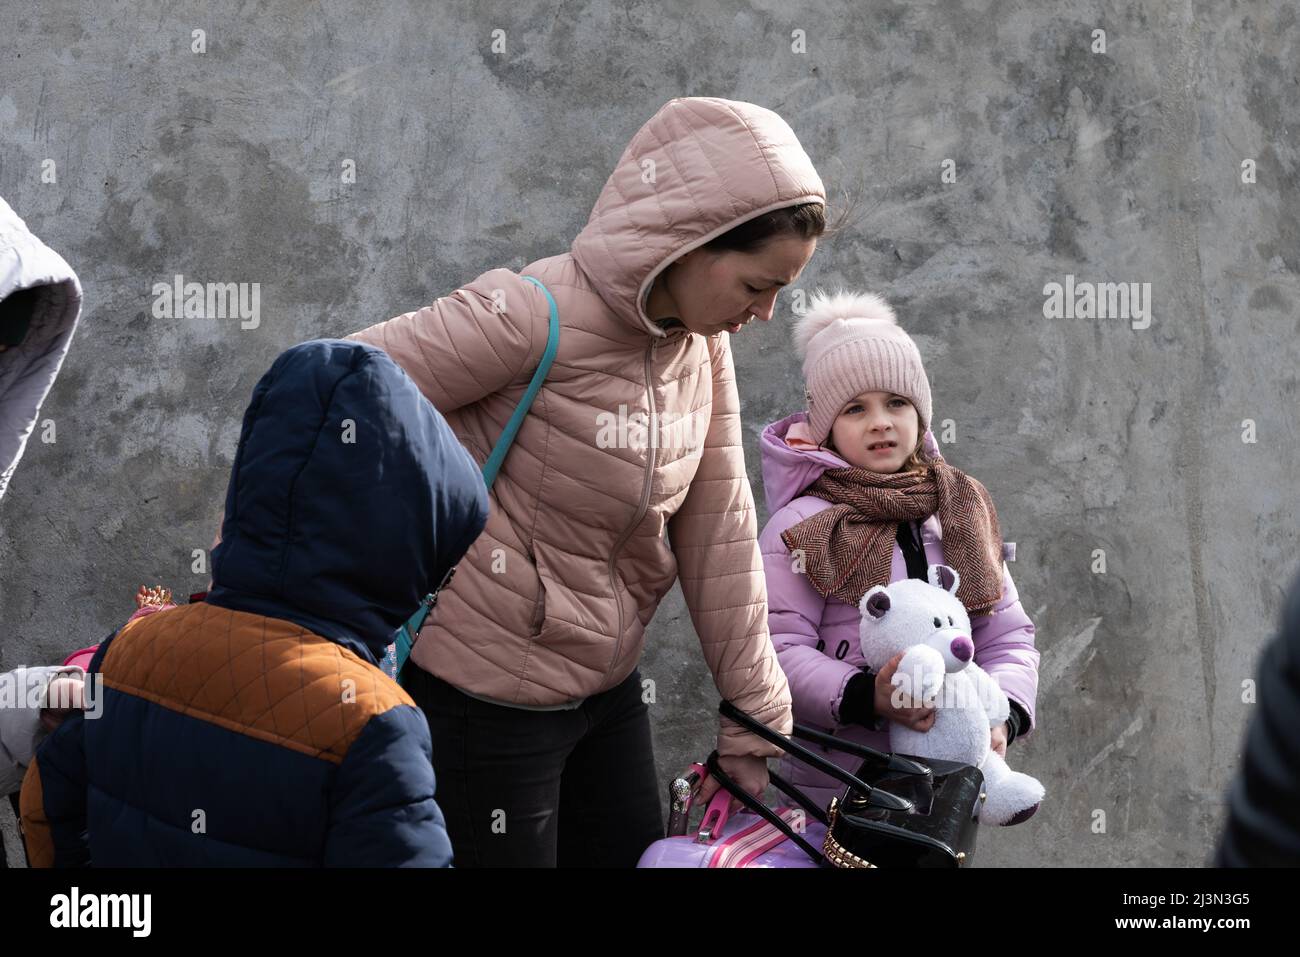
715	815
681	795
715	818
761	809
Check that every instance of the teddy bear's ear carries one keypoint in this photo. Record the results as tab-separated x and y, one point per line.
941	576
875	602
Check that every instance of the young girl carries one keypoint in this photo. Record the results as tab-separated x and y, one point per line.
859	495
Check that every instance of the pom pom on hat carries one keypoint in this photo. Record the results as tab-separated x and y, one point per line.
824	308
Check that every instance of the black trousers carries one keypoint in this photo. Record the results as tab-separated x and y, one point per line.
525	788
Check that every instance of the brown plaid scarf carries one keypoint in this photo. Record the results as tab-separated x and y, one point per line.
849	547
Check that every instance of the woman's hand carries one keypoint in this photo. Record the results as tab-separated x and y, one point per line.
998	739
918	719
749	773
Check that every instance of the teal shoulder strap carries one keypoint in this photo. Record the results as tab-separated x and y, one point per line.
405	636
493	464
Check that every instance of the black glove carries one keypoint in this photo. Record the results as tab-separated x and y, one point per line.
858	704
1017	720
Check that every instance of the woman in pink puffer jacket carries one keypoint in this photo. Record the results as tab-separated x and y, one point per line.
857	489
627	476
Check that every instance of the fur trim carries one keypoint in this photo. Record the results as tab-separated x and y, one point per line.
823	309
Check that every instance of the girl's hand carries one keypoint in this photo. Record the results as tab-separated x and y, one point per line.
749	772
918	719
998	739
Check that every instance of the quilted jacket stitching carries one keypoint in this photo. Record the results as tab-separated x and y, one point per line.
719	181
763	151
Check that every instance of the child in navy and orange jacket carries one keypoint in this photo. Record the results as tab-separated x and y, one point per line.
254	728
859	495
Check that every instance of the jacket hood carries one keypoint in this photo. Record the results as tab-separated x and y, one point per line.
38	291
697	168
789	469
349	499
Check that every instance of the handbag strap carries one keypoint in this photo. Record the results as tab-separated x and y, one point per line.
493	464
873	796
405	639
893	762
762	810
799	797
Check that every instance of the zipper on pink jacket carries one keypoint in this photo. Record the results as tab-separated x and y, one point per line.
645	499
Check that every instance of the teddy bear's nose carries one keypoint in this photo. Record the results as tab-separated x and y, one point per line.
962	649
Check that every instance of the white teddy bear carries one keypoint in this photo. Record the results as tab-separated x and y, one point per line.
928	622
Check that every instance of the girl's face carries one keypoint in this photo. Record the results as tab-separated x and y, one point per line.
876	431
713	292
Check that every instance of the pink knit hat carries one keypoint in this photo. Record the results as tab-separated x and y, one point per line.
851	343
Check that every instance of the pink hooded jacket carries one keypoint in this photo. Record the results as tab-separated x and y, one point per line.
589	526
816	639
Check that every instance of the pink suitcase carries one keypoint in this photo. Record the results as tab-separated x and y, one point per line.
742	839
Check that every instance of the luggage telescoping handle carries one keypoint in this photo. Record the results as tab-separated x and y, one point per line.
762	810
681	794
715	817
873	796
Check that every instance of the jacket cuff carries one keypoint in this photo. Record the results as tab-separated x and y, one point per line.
735	740
1017	720
858	703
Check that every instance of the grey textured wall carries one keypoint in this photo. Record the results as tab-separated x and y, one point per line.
1116	166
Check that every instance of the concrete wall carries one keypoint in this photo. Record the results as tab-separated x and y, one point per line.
1122	166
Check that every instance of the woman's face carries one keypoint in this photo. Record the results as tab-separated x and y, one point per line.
872	419
712	292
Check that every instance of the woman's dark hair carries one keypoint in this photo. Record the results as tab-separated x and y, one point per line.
806	220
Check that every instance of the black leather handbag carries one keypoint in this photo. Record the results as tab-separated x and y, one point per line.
896	811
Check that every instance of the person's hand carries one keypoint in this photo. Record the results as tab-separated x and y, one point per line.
749	772
998	739
918	719
65	695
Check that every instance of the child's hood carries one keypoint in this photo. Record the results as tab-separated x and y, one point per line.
349	499
792	461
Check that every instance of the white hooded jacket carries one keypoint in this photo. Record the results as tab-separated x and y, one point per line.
28	370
